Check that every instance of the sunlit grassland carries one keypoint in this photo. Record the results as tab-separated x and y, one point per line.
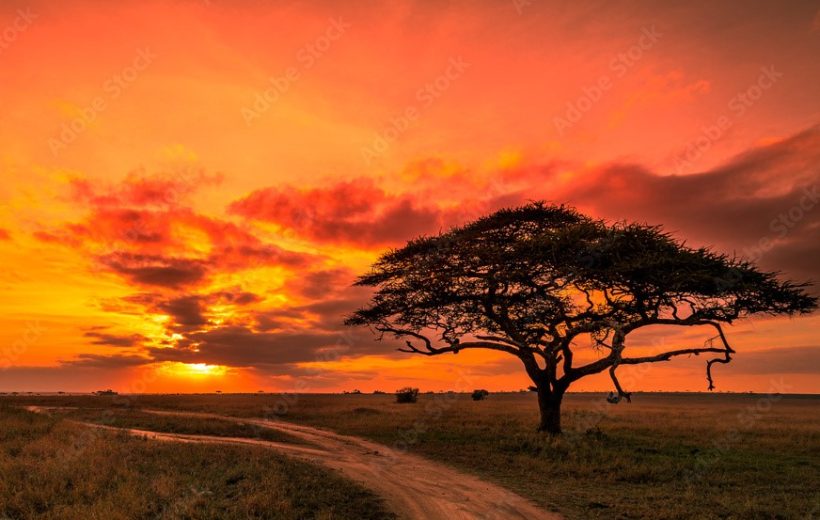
662	456
56	469
143	420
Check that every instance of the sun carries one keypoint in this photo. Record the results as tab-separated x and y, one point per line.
194	370
205	369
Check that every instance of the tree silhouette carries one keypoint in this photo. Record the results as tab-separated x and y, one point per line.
532	281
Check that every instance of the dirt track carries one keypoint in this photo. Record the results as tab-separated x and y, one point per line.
413	487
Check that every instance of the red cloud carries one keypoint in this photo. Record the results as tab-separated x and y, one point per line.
763	204
356	212
155	270
4	234
769	192
141	190
141	230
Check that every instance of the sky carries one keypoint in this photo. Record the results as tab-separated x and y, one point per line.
190	188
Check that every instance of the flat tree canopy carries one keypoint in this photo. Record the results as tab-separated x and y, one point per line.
531	281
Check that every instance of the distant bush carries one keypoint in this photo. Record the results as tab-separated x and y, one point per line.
480	395
378	392
105	392
407	395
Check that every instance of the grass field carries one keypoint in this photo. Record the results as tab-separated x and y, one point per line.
55	469
662	456
133	418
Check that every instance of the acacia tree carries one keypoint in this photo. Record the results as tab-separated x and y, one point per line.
532	281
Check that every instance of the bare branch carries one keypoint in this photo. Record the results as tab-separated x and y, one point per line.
616	398
455	347
498	339
727	354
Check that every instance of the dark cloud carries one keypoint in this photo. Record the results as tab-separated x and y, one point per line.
269	320
763	205
783	360
186	311
239	257
331	313
100	361
241	298
114	340
240	346
327	284
275	338
318	284
155	269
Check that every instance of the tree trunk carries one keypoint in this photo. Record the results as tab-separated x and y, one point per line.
550	405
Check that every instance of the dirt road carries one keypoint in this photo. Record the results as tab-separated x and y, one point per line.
414	487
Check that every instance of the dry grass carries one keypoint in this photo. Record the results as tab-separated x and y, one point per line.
54	469
133	418
665	456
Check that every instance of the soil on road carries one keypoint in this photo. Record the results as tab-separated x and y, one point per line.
413	487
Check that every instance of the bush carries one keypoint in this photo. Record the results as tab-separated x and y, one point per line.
407	395
480	395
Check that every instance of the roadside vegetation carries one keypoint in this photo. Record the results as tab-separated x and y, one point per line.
142	420
56	469
663	456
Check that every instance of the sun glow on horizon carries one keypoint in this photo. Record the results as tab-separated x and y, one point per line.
193	370
178	212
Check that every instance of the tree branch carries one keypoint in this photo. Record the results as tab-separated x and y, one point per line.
727	355
455	347
616	398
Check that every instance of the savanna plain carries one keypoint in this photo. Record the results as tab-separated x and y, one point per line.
662	456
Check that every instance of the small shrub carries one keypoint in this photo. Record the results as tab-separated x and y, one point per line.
480	395
407	395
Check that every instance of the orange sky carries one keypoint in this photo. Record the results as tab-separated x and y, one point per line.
189	188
